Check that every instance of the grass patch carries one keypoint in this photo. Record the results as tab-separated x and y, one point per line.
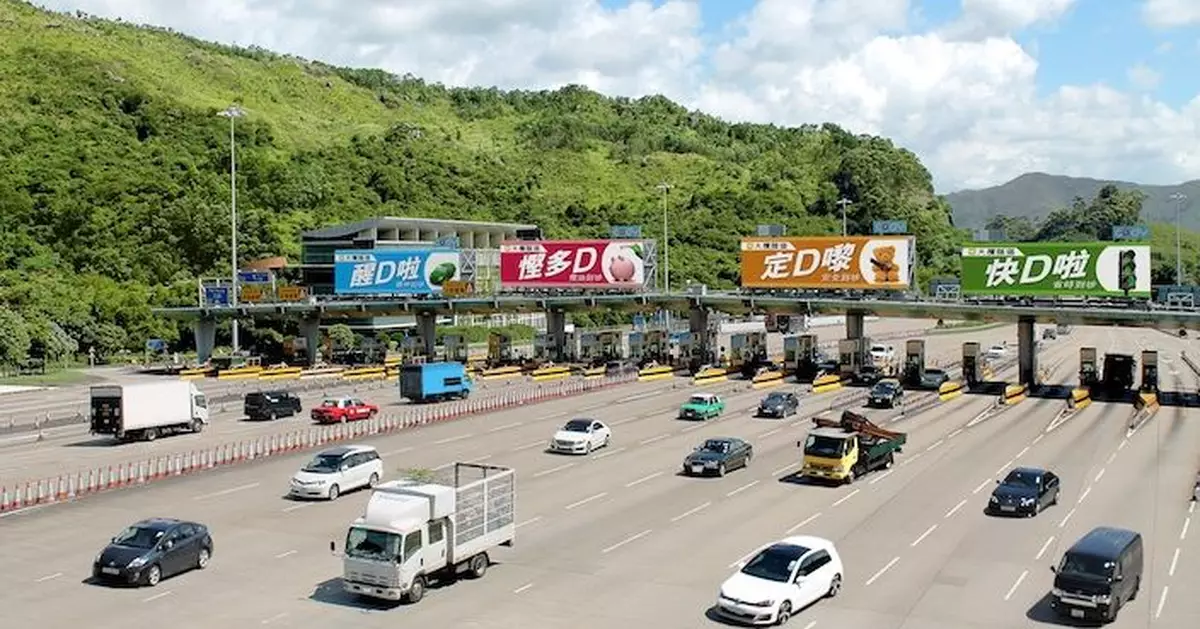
52	378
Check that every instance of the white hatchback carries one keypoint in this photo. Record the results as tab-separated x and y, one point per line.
780	580
337	470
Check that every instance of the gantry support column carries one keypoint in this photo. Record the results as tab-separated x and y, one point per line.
1027	351
310	331
855	327
206	338
556	333
427	333
698	325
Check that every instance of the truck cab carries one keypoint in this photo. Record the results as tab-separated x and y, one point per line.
842	450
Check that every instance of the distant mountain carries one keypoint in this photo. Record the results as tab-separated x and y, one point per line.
1037	194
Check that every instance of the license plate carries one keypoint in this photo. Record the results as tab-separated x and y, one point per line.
110	571
1008	508
696	469
1076	613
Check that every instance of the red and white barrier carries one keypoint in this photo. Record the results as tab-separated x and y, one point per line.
66	487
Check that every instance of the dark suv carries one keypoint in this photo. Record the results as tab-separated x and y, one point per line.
271	404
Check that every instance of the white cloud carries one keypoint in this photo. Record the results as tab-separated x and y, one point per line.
965	98
1171	13
1143	77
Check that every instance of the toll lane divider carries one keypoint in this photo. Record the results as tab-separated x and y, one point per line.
595	373
1080	399
950	390
240	373
365	373
712	375
546	374
767	379
71	486
1145	405
1014	394
829	382
657	372
281	373
499	373
197	373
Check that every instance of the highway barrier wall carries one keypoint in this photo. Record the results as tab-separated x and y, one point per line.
139	471
767	379
712	375
950	390
1080	399
1014	394
657	372
830	382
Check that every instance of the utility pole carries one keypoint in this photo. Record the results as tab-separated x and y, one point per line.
233	113
1179	199
664	188
843	202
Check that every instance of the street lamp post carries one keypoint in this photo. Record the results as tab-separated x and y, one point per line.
843	202
665	187
233	112
1179	199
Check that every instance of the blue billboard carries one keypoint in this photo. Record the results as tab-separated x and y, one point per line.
394	271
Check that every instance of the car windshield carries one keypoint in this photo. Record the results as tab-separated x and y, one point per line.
324	464
829	447
139	537
775	398
578	425
934	373
1085	565
885	387
374	545
1020	478
699	399
331	403
879	349
775	563
716	445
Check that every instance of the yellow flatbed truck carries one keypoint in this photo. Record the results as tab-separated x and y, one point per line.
843	450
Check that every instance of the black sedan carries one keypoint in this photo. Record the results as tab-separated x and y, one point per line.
779	404
150	550
1026	491
933	379
886	394
717	456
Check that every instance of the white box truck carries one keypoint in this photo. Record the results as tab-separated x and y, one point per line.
414	531
144	411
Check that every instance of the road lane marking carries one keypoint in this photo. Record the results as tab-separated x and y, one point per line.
453	439
882	570
806	521
580	503
955	509
1022	452
1098	476
643	479
1037	439
935	444
846	497
744	558
923	536
296	507
879	478
692	511
285	554
1162	600
506	426
522	588
226	492
811	624
1045	547
1012	590
1191	507
1183	533
742	488
1066	518
651	440
536	518
272	619
954	433
1124	442
608	452
769	433
553	470
400	451
532	444
157	596
1004	467
783	469
51	577
1170	573
1087	490
627	540
912	459
978	489
1112	457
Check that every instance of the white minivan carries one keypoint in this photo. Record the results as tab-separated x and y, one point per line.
780	580
337	470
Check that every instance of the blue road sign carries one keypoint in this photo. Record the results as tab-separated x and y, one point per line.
394	271
889	227
216	295
639	322
448	242
625	232
1130	232
156	345
254	277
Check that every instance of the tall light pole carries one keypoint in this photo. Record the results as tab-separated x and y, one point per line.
843	202
1179	199
664	188
233	112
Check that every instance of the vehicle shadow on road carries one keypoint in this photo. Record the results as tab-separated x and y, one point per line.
795	478
100	442
331	592
1041	612
712	615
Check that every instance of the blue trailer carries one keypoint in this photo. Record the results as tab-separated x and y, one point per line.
434	382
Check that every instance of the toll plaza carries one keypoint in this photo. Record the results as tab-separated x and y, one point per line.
456	348
747	351
801	356
913	375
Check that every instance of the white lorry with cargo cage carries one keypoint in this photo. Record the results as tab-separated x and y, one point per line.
415	531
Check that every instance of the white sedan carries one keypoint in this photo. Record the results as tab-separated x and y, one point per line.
581	436
997	351
780	580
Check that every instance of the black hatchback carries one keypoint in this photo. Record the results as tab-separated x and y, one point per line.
150	550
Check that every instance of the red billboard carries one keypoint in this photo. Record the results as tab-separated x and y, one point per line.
573	264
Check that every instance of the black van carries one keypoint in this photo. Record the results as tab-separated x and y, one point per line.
271	404
1098	575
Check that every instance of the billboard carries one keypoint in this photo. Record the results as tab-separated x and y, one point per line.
828	262
1067	269
573	264
394	271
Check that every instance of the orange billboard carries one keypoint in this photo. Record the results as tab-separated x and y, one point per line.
828	262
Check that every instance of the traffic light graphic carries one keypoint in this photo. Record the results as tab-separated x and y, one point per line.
1128	277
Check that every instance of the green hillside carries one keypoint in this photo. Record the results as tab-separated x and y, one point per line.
115	188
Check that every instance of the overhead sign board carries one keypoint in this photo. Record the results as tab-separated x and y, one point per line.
889	227
625	232
251	294
448	242
1095	269
216	295
770	230
254	277
456	288
828	262
573	264
292	293
1131	232
394	271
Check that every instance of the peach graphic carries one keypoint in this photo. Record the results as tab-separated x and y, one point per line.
622	269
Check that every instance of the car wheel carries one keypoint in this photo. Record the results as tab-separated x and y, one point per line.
835	586
273	416
785	613
479	565
202	559
606	440
416	591
749	457
589	448
153	575
721	470
334	492
373	481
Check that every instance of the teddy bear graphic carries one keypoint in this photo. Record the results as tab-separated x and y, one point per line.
887	271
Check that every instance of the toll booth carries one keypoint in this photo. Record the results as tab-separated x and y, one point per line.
972	364
637	347
658	345
611	345
570	350
1089	369
914	362
500	349
852	355
1149	371
747	350
800	356
542	347
457	350
412	351
590	352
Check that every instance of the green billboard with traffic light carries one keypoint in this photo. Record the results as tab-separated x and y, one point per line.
1065	269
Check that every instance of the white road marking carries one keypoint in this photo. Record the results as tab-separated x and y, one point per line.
693	427
881	477
453	439
1124	442
51	577
400	451
1004	467
1087	490
789	466
954	433
1183	533
811	624
580	503
955	509
1170	573
1037	439
692	511
742	488
801	525
981	486
296	507
522	588
1022	452
1066	518
769	433
506	426
608	453
935	444
1192	507
536	518
1111	457
1098	476
553	470
882	570
923	535
913	458
1162	600
745	557
846	497
285	554
272	619
1016	585
653	439
1045	547
627	540
157	596
226	492
532	444
643	479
